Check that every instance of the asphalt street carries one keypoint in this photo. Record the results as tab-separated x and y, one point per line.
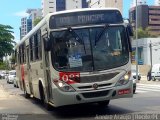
14	105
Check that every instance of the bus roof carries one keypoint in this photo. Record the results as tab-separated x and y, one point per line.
43	21
81	10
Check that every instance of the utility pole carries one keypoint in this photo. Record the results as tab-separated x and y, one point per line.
136	42
150	47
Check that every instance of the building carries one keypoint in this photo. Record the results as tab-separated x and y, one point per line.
33	15
27	23
157	3
26	26
50	6
76	4
148	17
148	51
139	2
23	28
106	3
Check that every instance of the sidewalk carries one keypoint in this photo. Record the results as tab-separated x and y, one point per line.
145	81
3	93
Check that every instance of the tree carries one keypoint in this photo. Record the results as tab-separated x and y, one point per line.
6	41
12	61
36	21
142	33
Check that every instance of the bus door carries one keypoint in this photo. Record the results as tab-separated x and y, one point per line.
29	70
47	75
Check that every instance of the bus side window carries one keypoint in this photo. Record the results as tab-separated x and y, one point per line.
39	45
20	55
31	48
36	47
23	54
15	55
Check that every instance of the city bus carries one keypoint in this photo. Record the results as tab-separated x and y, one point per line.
76	56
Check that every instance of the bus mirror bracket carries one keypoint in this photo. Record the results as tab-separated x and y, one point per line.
130	30
47	44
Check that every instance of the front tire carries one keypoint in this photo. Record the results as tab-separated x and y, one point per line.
43	99
134	91
148	78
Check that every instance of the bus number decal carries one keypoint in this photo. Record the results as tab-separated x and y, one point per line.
70	76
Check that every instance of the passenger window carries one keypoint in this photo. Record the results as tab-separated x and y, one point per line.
23	54
15	55
39	45
31	48
36	47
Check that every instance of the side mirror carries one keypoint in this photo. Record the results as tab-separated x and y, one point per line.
47	44
130	30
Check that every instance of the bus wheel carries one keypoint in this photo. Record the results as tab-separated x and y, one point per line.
104	103
43	99
26	94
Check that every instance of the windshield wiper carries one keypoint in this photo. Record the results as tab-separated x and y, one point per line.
101	33
77	37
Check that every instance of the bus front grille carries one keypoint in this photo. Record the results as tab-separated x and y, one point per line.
95	94
99	86
97	78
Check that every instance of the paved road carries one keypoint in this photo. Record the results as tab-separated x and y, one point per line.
13	104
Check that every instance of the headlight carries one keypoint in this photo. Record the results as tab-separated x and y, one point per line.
124	80
63	86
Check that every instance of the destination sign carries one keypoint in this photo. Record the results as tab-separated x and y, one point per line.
85	18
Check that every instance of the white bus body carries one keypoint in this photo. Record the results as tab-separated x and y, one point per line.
89	72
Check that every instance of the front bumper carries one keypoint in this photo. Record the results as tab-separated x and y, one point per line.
61	98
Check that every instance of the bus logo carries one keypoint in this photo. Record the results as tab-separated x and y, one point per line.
95	86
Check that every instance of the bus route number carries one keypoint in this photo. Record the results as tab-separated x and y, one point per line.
67	76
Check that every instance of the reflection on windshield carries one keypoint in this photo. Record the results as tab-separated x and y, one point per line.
75	50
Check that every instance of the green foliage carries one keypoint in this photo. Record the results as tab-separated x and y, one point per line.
2	66
36	21
13	59
6	40
142	33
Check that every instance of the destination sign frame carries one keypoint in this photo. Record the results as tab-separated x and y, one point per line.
65	20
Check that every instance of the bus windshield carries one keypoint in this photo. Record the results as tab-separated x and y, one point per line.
89	49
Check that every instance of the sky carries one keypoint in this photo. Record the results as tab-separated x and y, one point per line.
11	12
